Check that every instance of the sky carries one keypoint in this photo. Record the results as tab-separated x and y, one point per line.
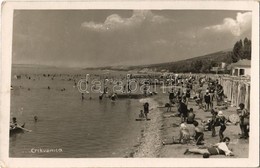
95	38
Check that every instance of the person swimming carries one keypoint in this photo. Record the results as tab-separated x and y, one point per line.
113	97
35	118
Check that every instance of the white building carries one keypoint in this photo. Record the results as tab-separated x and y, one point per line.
241	68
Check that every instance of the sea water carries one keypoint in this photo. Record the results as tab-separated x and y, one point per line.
68	126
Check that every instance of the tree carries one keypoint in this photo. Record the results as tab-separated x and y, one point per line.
229	59
237	51
247	49
197	66
241	50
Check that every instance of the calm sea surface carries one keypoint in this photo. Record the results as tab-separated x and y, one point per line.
75	128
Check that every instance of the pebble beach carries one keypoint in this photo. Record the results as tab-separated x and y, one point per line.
164	126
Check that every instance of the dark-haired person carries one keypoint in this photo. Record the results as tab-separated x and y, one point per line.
217	149
220	94
183	110
213	120
244	120
191	116
207	100
220	121
171	96
188	93
141	115
14	123
211	93
146	110
199	135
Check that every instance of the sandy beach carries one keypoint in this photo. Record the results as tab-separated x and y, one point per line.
163	127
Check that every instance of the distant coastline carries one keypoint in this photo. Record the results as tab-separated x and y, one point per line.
220	56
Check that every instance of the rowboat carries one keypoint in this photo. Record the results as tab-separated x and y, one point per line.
134	95
16	130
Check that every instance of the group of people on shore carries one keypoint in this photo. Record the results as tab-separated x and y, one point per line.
212	93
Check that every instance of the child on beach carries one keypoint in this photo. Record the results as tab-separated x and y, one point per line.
146	109
199	135
184	136
141	115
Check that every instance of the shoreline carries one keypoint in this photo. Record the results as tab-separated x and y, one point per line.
150	141
163	126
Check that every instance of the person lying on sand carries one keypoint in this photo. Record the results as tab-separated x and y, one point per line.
217	149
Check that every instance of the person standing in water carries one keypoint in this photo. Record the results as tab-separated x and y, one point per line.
82	96
113	97
146	109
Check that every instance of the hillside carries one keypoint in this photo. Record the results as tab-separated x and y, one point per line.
198	64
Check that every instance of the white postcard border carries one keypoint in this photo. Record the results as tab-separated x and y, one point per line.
7	16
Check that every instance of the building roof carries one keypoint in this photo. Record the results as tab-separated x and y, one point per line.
242	63
214	69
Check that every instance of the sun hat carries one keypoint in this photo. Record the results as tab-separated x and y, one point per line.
183	126
220	113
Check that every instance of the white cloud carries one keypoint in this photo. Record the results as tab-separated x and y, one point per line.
236	26
115	21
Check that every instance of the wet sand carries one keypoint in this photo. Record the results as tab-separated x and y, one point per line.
150	144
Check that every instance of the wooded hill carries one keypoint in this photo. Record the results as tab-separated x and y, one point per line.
201	64
195	65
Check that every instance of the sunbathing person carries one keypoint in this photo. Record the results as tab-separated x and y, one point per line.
184	136
217	149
